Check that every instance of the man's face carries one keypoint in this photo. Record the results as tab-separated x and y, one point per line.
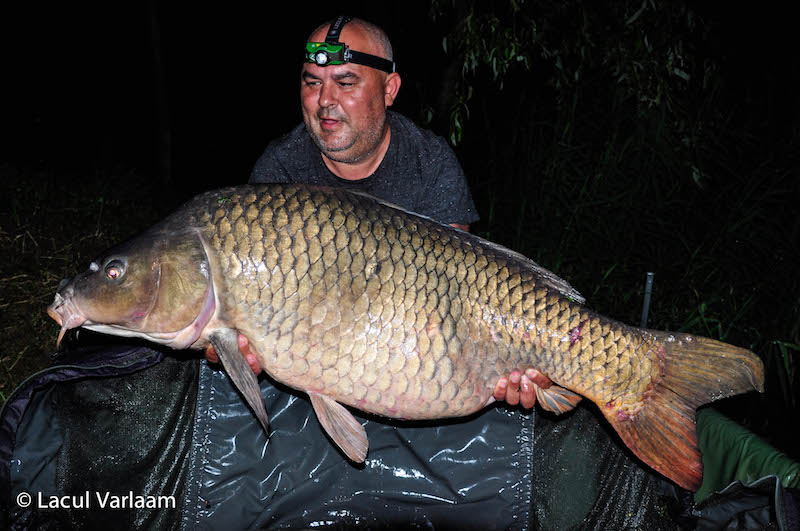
344	106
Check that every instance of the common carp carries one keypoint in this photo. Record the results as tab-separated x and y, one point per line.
358	302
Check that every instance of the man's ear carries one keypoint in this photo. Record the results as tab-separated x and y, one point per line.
391	86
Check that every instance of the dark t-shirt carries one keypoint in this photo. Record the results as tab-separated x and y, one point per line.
419	172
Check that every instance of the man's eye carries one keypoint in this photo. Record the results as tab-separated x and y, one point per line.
342	84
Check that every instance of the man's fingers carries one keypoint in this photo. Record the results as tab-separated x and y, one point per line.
518	388
253	362
244	348
527	395
500	389
538	378
244	343
249	355
512	393
211	354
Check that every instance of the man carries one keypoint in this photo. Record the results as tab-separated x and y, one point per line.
346	140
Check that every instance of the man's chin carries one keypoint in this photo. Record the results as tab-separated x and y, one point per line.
336	151
344	156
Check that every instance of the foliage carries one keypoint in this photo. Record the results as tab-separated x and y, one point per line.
608	140
647	50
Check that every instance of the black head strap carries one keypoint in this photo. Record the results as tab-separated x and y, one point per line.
352	56
336	29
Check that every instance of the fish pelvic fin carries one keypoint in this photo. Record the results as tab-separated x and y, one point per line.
348	434
556	399
227	346
697	370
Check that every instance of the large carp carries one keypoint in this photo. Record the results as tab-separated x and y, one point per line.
357	302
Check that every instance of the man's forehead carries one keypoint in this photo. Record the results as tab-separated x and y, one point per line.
334	71
352	35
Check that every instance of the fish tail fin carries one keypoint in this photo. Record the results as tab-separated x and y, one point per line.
697	370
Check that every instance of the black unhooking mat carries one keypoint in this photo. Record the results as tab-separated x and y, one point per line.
99	423
132	423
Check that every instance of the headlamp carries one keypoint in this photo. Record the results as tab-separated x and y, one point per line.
324	54
333	52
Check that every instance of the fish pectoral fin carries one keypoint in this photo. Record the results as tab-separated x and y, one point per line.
556	399
348	434
227	347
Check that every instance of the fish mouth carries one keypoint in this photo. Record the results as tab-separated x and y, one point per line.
66	314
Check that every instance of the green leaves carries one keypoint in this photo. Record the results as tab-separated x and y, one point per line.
644	48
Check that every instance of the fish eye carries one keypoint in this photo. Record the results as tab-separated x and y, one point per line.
115	269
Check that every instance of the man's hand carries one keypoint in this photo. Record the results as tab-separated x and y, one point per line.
244	348
518	388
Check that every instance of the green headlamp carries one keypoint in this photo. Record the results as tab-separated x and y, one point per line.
333	52
324	54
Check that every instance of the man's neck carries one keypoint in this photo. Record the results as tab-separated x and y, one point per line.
354	171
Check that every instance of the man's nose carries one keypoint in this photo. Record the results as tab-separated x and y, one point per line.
328	95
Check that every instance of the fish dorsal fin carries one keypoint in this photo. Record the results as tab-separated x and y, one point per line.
341	426
544	275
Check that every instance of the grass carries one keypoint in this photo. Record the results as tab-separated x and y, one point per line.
51	225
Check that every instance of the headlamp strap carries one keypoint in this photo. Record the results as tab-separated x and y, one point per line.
336	29
373	61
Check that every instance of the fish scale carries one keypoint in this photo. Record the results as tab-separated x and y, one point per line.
381	244
313	228
360	303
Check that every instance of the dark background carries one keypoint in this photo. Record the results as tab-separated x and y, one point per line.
115	113
93	85
84	85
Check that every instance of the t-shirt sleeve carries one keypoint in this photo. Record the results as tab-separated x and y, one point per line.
447	197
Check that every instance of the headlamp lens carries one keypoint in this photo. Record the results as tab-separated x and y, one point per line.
321	58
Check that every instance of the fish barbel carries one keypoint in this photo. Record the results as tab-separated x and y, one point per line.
361	303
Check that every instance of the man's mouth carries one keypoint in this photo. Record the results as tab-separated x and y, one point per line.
329	123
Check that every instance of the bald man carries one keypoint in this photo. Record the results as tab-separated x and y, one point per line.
350	139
